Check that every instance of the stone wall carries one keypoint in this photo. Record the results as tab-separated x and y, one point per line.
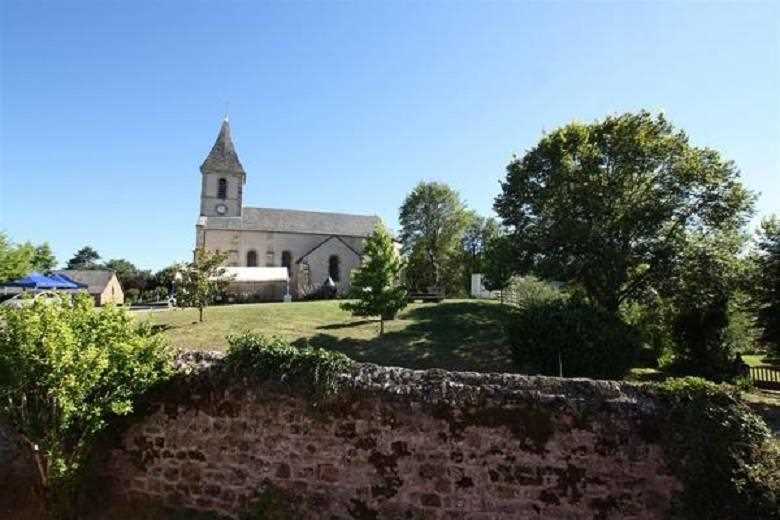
399	443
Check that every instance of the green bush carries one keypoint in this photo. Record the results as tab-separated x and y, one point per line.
312	369
65	370
583	339
529	290
723	453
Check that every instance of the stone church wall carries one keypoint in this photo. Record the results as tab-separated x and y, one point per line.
398	443
299	244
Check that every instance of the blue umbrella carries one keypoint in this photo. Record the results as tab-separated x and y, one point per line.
38	281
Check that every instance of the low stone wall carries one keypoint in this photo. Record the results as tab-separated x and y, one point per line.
398	443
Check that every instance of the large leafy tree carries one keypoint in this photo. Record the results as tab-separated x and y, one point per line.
433	219
17	260
43	258
766	286
705	278
376	285
85	258
497	265
65	370
201	280
128	274
607	205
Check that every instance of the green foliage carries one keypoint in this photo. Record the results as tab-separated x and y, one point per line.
766	283
605	205
433	220
479	232
18	260
581	339
201	280
498	264
524	291
65	370
701	287
85	258
651	320
376	284
130	277
722	452
43	259
310	369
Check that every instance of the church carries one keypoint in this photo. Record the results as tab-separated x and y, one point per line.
313	246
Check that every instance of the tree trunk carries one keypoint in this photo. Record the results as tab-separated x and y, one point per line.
381	325
200	314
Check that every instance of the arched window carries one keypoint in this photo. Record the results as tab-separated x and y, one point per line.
333	268
287	261
222	189
251	258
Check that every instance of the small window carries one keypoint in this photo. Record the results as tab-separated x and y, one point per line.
287	261
334	268
251	259
222	189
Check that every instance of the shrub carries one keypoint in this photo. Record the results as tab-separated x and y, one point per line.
312	369
583	340
528	290
723	453
65	370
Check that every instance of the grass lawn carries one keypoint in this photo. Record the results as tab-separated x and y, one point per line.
455	334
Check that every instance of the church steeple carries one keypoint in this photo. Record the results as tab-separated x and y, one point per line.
223	156
221	192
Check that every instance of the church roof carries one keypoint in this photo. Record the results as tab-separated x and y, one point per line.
296	221
223	156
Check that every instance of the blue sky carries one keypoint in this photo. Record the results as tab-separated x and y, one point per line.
108	108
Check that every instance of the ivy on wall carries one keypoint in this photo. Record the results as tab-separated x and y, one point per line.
724	454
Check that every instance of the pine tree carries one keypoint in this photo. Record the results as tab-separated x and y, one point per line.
376	284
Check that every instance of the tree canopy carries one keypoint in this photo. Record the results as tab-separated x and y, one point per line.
85	258
433	219
607	205
766	287
18	260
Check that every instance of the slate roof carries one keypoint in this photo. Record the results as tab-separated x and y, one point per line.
223	156
296	221
96	280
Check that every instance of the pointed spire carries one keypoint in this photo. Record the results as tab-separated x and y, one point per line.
223	156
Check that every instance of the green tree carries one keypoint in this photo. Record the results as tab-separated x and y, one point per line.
128	274
704	281
201	280
43	259
433	219
65	370
15	261
766	285
478	233
497	265
85	258
607	205
376	284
